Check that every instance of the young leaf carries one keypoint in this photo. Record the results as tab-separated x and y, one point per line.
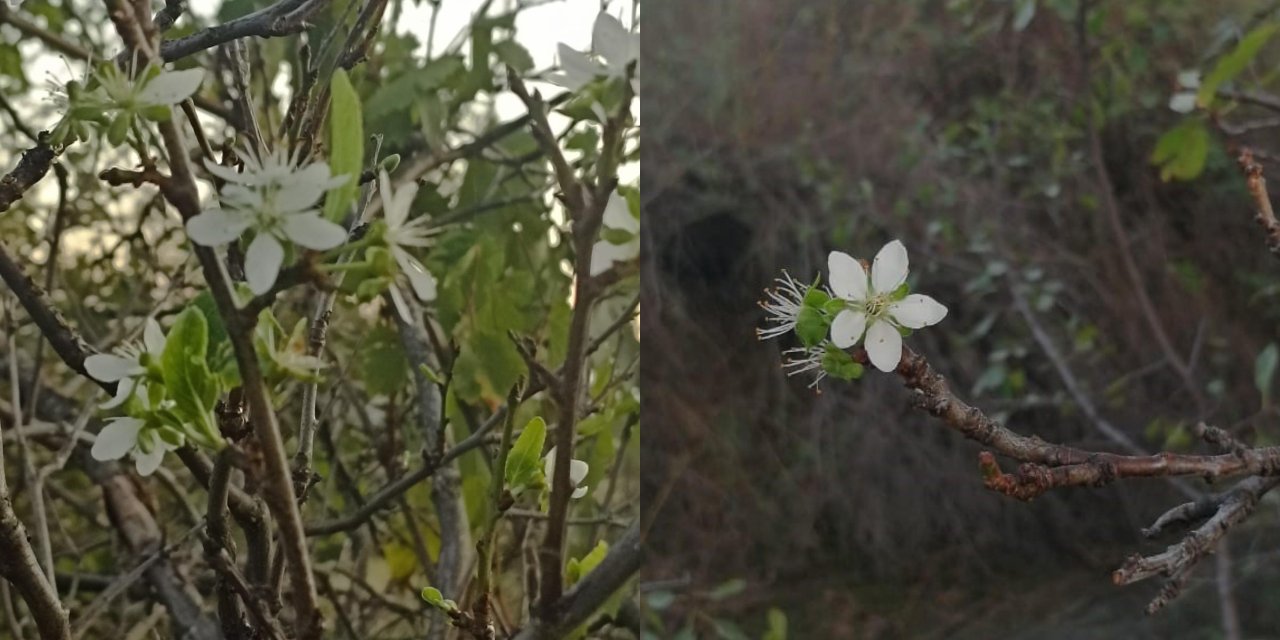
187	378
579	568
525	460
434	598
1264	370
1230	65
346	144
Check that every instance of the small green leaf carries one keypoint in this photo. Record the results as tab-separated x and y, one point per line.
1264	371
187	378
839	364
524	460
513	55
777	629
727	589
579	568
346	144
1230	65
383	366
1181	152
434	598
811	326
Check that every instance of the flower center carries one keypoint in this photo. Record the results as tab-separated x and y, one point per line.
877	305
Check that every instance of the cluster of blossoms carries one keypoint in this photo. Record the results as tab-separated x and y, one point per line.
613	49
134	368
874	307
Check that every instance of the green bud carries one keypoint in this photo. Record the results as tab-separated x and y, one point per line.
119	129
390	163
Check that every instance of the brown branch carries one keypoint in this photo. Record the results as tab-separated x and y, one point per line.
1257	184
33	166
1232	508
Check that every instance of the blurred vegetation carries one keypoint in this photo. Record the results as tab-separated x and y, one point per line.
996	139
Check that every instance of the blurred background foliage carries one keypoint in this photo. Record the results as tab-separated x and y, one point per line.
1012	146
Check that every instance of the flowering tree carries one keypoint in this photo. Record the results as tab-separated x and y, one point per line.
363	365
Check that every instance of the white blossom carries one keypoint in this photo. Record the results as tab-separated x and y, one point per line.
401	235
577	472
617	215
129	435
277	200
613	47
1185	100
872	307
149	88
128	365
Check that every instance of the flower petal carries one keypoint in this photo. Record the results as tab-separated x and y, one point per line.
314	232
116	439
216	227
402	307
1183	102
611	40
148	462
889	269
171	87
578	493
578	471
424	284
577	69
108	367
917	311
617	214
847	328
226	173
848	278
124	388
262	262
884	345
153	337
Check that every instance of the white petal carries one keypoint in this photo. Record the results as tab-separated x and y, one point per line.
847	328
889	269
299	196
1189	79
424	284
171	87
917	311
549	464
124	388
384	189
147	463
216	227
226	173
153	337
617	215
884	345
1183	102
578	471
262	262
605	253
579	492
576	69
611	40
107	367
314	232
402	307
116	439
848	278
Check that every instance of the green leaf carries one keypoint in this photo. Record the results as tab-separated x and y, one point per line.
187	378
346	144
512	54
524	462
1264	371
777	629
434	598
728	589
839	364
1230	65
811	326
1181	152
579	568
383	366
